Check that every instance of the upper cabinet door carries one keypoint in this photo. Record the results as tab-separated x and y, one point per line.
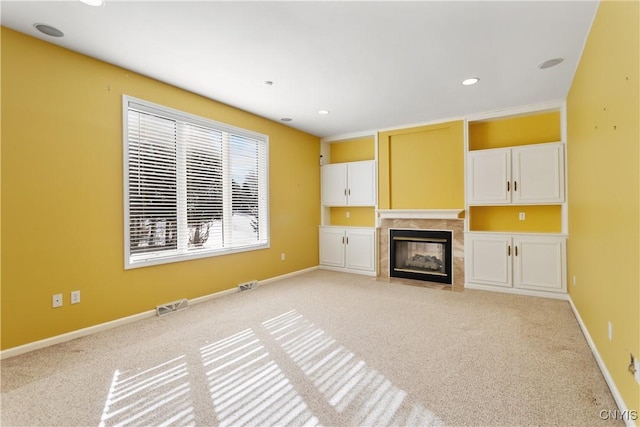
349	184
361	183
529	174
488	177
538	174
334	184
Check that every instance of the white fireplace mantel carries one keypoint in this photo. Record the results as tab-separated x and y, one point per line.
419	213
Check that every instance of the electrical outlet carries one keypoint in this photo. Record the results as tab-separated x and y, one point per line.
75	297
348	214
282	256
610	331
574	280
56	300
521	216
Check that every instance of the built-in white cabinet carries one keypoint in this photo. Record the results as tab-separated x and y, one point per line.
349	249
519	261
488	259
349	184
528	174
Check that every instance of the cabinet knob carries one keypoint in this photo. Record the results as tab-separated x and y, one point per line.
515	185
516	249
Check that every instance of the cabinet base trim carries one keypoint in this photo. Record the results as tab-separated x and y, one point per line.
517	291
347	270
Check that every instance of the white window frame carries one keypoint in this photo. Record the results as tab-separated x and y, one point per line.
182	253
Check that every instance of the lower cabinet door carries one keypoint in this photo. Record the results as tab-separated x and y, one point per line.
360	249
332	246
489	259
539	263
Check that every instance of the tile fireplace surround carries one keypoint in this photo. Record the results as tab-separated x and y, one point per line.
423	220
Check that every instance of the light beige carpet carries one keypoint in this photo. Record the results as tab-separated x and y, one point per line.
322	348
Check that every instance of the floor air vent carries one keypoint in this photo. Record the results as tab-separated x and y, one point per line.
249	285
170	307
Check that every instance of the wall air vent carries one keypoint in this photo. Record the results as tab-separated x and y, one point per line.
248	285
170	307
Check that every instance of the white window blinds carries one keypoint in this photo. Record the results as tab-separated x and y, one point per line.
193	187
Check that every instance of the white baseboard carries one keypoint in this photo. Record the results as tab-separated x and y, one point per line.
58	339
603	368
260	283
286	276
208	297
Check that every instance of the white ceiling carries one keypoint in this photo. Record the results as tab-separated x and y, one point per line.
374	65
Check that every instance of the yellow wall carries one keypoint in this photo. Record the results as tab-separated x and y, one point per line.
422	167
353	150
538	219
603	134
521	130
62	195
360	216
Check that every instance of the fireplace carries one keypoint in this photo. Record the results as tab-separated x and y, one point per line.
422	220
421	255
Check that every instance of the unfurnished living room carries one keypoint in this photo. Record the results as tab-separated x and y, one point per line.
344	213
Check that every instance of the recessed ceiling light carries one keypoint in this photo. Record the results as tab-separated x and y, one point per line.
48	30
471	81
323	112
286	119
550	63
93	2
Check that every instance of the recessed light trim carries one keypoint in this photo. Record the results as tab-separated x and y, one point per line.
550	63
286	119
470	81
95	3
48	30
323	112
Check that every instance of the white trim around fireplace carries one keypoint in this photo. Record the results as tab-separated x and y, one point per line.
419	213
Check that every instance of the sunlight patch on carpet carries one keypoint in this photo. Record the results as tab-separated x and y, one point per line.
247	386
143	397
344	380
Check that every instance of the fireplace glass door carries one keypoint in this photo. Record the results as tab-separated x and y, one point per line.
421	254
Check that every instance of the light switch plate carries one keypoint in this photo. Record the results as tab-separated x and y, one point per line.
75	297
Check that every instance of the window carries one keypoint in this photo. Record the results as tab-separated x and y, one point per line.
193	187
